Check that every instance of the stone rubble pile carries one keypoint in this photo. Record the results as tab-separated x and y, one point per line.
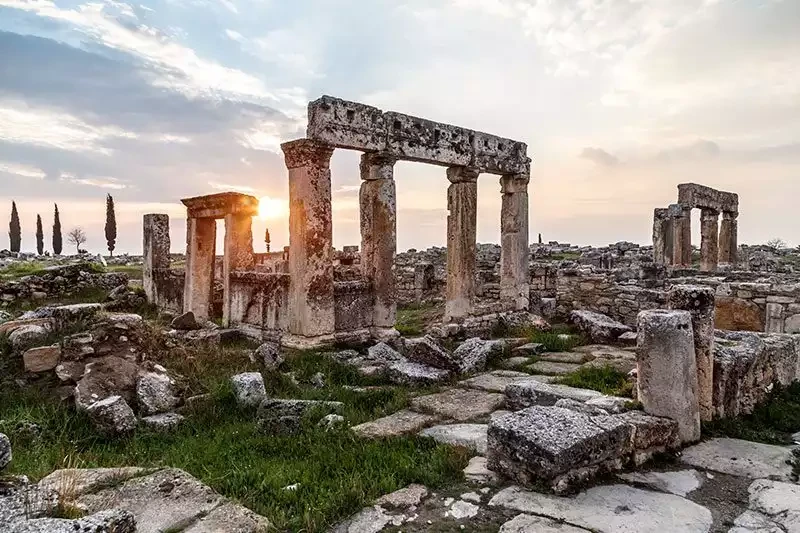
55	282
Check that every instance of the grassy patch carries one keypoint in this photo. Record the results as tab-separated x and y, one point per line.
605	379
20	269
337	473
413	319
133	271
772	422
87	295
553	340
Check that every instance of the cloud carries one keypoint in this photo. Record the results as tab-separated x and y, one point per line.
24	171
95	181
599	157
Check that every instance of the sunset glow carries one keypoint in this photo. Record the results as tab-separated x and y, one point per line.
272	208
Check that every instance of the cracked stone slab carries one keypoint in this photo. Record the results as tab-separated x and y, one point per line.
459	404
612	509
471	436
564	357
526	523
778	501
399	423
496	381
556	369
679	483
740	458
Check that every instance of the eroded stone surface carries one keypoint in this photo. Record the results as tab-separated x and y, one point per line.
526	523
399	423
680	483
532	392
471	436
597	326
740	458
554	368
477	471
495	381
459	404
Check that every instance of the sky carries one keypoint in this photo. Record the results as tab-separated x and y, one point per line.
619	101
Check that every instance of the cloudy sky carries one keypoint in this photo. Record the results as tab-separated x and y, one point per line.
618	100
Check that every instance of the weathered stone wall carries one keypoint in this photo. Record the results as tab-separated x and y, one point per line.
59	281
260	300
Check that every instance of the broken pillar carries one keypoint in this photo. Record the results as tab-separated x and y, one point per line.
155	255
462	221
238	255
709	234
728	238
311	299
667	369
378	214
514	273
662	237
681	235
699	301
201	243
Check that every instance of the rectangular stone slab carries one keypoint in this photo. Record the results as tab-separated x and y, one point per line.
459	404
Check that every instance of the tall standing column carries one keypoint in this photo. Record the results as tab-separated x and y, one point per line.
155	254
514	253
238	255
709	245
662	238
378	213
462	222
201	245
311	299
728	238
681	235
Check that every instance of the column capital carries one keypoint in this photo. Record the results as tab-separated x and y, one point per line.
306	152
462	174
660	213
377	165
708	213
511	183
730	215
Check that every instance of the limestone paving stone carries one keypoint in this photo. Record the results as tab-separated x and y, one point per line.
528	349
525	523
515	362
408	373
477	471
533	392
470	436
564	357
777	500
399	423
612	509
495	381
553	368
680	482
740	458
459	404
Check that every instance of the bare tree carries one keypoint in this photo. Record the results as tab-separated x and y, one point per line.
77	237
776	244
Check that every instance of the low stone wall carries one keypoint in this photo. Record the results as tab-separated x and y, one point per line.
59	281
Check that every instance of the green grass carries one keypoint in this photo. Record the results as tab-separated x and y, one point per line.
772	422
88	295
605	379
412	319
20	269
133	271
552	340
220	444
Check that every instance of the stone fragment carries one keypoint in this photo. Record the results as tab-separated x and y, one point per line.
404	498
5	451
368	520
70	371
580	407
598	327
408	373
667	371
318	380
628	338
740	458
459	404
109	376
42	359
269	354
461	510
331	421
156	393
651	432
185	322
495	381
679	483
470	436
564	357
612	404
477	471
778	500
736	314
25	336
472	354
249	389
540	444
112	416
529	393
383	353
111	521
400	423
526	523
753	522
529	349
612	509
285	416
163	421
556	369
425	351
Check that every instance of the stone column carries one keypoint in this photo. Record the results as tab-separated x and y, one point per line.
201	245
514	274
662	237
681	235
728	238
238	255
462	222
311	298
155	255
378	212
709	246
699	301
667	371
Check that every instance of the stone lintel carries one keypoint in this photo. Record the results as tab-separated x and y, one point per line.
700	196
307	152
217	206
356	126
462	174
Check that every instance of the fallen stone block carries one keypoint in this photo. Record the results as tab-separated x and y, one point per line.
408	373
529	393
400	423
109	376
472	354
426	351
598	327
156	393
459	404
112	417
5	451
42	359
163	421
249	389
470	436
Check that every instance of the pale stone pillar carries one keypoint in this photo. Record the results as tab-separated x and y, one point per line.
311	299
201	244
155	254
709	234
662	237
378	213
728	238
699	301
681	235
514	253
667	371
462	222
238	255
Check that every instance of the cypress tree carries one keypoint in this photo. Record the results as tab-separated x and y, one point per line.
39	235
111	224
14	229
57	242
